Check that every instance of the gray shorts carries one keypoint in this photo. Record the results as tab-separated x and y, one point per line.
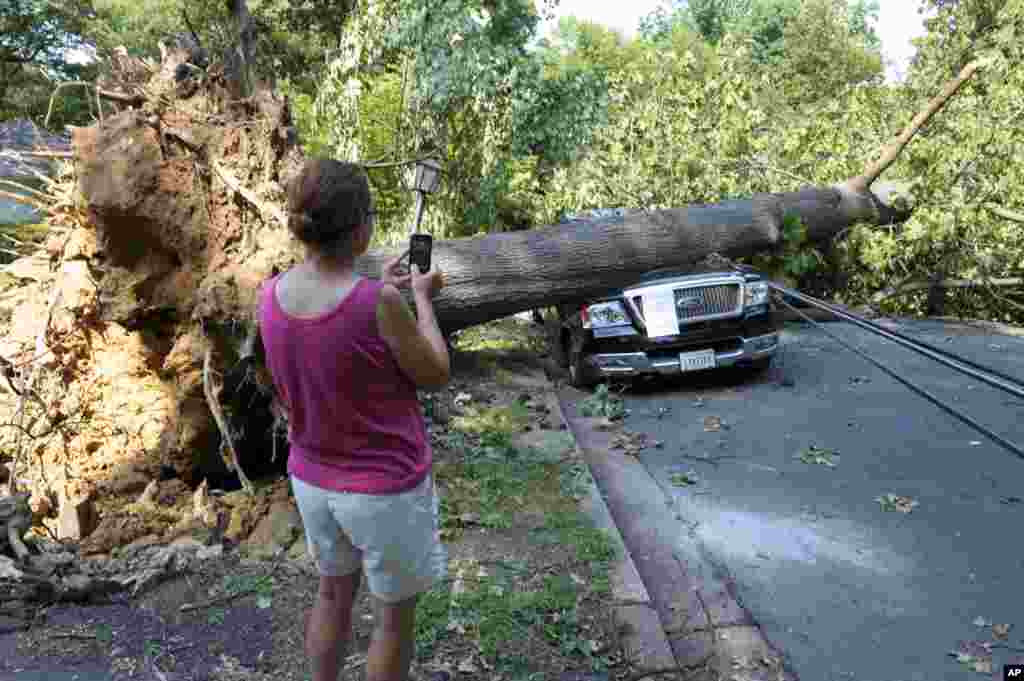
394	538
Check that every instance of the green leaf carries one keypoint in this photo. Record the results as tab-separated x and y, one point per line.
685	479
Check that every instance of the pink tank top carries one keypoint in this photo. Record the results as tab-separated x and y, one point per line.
356	421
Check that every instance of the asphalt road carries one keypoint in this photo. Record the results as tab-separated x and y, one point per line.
847	590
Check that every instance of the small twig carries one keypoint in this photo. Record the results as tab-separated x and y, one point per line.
691	671
394	164
713	460
45	154
1007	647
53	97
11	238
218	417
84	637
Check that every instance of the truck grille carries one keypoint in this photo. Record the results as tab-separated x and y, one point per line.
699	302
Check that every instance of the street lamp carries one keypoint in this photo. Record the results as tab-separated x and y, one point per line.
426	181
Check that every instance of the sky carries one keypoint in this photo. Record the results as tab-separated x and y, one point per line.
898	23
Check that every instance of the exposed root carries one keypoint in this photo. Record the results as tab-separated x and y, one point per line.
28	387
218	416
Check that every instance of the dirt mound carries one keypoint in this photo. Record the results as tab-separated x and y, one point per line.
120	339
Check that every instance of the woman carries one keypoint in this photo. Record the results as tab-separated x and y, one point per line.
347	356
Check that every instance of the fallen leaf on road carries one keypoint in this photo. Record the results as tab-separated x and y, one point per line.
1001	631
712	424
819	455
975	443
891	502
684	479
630	443
1011	500
981	622
974	655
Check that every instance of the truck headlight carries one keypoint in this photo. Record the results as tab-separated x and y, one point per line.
601	315
755	293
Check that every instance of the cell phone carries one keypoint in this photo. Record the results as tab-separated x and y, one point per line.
420	246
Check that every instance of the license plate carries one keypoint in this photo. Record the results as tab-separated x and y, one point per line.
695	361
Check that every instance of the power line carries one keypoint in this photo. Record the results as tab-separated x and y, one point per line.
1006	444
973	369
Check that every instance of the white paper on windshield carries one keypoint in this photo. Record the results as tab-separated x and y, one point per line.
660	313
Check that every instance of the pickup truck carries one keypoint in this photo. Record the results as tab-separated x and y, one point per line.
697	318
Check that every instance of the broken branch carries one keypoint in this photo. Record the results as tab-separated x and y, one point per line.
268	213
1006	214
910	287
124	98
19	186
893	149
185	138
45	154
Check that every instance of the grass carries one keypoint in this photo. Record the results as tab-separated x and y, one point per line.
494	479
514	601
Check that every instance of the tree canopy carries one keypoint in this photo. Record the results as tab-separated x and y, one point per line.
712	99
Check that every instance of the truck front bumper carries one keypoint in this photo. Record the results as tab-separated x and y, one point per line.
626	364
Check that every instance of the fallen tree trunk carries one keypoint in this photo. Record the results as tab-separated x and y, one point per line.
502	274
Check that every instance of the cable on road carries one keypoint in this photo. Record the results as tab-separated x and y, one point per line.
1011	447
997	379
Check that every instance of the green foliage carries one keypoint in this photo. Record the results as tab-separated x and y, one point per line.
34	38
603	404
459	82
716	99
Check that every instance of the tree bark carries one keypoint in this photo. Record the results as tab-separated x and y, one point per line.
501	274
244	54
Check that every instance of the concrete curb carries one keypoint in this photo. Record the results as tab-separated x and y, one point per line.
633	611
698	616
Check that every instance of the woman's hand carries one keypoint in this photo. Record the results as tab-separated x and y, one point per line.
394	273
429	283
